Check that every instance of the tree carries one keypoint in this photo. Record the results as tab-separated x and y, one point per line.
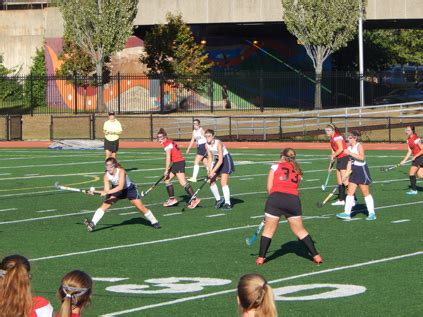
171	51
76	63
35	87
323	27
99	28
10	87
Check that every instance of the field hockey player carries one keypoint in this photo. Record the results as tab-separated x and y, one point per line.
199	138
283	200
122	187
415	149
223	166
174	156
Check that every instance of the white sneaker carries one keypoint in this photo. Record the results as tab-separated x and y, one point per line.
339	203
192	180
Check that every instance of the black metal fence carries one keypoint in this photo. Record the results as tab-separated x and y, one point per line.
126	93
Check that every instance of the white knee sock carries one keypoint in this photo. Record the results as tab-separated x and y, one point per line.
226	194
195	170
99	213
370	204
215	191
149	215
349	203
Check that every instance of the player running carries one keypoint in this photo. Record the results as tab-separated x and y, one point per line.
122	187
338	146
174	155
415	148
360	176
199	138
282	186
222	166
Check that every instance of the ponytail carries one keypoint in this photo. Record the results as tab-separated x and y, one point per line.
162	132
66	308
74	292
289	155
15	289
267	307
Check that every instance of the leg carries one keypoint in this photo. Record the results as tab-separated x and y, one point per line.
224	180
170	191
370	204
413	180
270	225
99	213
349	202
341	186
215	191
113	154
188	189
196	167
420	172
297	227
108	154
147	213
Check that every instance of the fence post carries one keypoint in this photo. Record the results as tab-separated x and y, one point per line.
230	128
51	128
8	128
211	95
118	91
261	92
31	84
162	95
92	126
151	127
75	100
280	128
389	129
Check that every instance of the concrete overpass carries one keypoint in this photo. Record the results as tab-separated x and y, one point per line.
253	11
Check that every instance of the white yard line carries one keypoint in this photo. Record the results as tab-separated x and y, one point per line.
288	278
47	210
215	215
128	213
400	221
172	214
8	209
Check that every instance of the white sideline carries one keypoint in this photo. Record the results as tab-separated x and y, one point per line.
289	278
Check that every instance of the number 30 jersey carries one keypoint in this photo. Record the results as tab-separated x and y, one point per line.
285	179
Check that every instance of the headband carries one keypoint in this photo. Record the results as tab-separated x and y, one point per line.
77	292
2	273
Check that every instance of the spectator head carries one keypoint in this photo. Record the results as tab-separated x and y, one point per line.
254	294
74	292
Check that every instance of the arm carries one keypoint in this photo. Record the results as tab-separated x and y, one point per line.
348	173
106	186
118	128
360	156
270	180
166	172
406	157
210	160
338	151
219	160
119	187
191	143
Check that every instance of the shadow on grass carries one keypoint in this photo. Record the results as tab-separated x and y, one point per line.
134	221
296	247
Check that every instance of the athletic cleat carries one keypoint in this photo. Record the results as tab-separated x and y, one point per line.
192	180
194	203
90	225
343	216
371	217
338	203
156	225
219	203
260	260
170	202
411	192
317	259
227	207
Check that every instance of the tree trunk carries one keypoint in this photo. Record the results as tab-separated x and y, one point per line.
100	88
318	88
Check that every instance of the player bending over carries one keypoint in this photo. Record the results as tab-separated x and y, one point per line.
122	187
282	186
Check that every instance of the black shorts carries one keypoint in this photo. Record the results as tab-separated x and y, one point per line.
178	167
360	175
342	163
201	150
227	167
281	204
112	146
131	193
418	162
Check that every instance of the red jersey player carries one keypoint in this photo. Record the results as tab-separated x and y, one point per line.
415	148
282	186
174	156
338	145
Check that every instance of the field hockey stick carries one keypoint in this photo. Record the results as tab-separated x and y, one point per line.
144	193
327	177
249	241
320	204
392	167
206	180
79	190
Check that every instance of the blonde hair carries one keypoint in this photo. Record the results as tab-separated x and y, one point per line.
289	155
255	293
74	291
15	288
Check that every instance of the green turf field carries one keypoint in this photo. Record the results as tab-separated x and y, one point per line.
191	266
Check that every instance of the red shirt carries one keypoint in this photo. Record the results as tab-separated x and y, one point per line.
413	142
175	152
41	307
285	179
337	137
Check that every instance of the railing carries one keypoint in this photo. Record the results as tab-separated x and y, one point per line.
5	4
130	94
